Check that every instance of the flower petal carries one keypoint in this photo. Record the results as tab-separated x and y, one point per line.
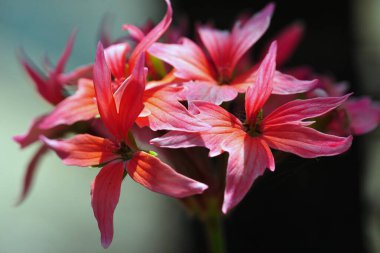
297	110
259	92
364	115
104	93
116	58
152	36
284	84
105	192
248	159
159	177
83	150
79	107
166	112
304	141
30	172
187	58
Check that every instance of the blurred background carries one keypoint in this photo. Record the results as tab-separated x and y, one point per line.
322	205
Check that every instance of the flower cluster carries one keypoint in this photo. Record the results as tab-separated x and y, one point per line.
143	106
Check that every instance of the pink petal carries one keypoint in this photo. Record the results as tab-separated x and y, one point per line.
363	114
66	53
187	58
304	141
248	159
83	150
208	91
105	192
166	112
298	110
222	125
116	58
79	107
244	35
284	84
30	173
258	93
34	132
131	97
104	93
72	77
157	176
134	32
152	36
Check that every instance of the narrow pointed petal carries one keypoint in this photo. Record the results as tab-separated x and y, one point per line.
167	113
244	35
131	101
222	125
83	150
284	84
34	132
116	58
187	58
104	93
30	173
208	91
304	141
159	177
105	193
259	92
79	107
66	53
152	36
73	77
297	110
248	159
134	32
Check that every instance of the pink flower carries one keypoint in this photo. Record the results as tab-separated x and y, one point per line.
119	156
211	77
249	143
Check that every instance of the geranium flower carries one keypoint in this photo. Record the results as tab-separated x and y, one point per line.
248	143
119	156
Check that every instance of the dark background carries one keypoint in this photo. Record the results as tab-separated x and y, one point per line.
305	205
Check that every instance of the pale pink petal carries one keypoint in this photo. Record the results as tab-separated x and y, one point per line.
248	159
159	177
244	35
34	132
79	107
258	93
297	110
83	150
284	84
187	58
166	112
116	58
72	77
208	91
134	32
304	141
363	114
152	36
30	173
105	192
104	93
222	125
218	44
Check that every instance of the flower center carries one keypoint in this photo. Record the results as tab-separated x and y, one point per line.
124	151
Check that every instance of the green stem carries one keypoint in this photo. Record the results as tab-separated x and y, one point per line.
214	229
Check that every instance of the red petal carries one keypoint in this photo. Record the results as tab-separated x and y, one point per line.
304	141
66	53
105	192
248	159
79	107
152	36
258	93
166	112
157	176
297	110
187	58
116	58
30	172
83	150
104	93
